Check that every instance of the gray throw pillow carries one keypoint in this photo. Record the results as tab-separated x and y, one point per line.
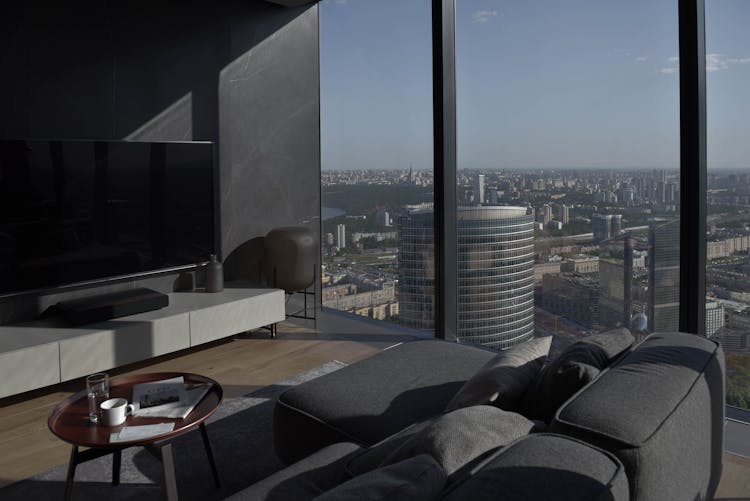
504	379
419	478
460	436
578	365
372	457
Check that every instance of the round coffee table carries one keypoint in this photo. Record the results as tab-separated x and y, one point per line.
70	422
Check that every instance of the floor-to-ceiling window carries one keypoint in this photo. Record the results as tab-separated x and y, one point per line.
568	179
377	160
728	197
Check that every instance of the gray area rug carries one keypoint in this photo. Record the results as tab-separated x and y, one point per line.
240	434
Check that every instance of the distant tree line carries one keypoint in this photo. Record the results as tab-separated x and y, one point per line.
738	380
362	198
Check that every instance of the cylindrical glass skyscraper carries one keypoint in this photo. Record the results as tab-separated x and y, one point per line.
495	274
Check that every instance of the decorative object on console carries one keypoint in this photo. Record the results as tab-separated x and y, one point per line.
214	275
289	261
185	282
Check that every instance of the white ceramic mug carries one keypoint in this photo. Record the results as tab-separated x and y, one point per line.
115	410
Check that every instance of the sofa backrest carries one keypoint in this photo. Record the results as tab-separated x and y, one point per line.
660	410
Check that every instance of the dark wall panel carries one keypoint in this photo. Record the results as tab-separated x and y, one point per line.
57	72
269	125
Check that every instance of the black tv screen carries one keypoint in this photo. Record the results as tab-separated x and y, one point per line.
73	212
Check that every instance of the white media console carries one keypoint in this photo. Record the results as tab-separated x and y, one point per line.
38	354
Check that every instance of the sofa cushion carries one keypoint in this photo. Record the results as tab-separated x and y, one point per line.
418	478
458	437
505	378
578	365
542	467
453	439
373	457
374	398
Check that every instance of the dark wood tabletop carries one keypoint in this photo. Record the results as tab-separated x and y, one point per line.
70	418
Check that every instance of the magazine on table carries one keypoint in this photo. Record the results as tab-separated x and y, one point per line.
130	433
170	398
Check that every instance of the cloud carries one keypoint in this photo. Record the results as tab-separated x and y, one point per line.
641	59
672	67
714	62
720	62
482	16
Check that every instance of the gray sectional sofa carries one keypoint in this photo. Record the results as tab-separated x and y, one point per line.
641	422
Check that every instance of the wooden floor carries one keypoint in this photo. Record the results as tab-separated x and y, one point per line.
735	479
241	365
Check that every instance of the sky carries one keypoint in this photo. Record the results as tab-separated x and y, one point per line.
540	84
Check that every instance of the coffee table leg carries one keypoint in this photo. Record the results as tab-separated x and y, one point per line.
210	454
167	462
116	461
71	472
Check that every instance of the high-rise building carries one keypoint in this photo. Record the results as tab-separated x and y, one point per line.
661	188
640	187
573	296
606	226
547	214
564	214
495	274
601	225
479	190
341	236
671	195
715	318
384	218
615	225
664	275
615	283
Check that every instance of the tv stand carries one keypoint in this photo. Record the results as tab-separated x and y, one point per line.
46	352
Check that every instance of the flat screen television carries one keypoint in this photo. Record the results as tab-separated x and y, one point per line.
75	212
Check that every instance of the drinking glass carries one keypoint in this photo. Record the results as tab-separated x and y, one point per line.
97	387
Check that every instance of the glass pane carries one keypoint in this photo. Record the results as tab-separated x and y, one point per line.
376	147
568	137
728	218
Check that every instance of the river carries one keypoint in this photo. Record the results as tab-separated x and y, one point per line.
331	212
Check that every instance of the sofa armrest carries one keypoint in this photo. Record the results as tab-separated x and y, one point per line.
660	410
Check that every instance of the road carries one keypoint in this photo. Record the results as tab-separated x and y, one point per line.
582	236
